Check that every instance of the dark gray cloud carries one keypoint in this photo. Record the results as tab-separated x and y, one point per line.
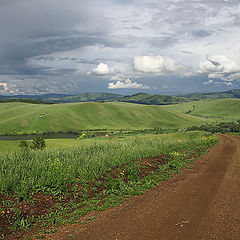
50	45
163	42
31	28
202	33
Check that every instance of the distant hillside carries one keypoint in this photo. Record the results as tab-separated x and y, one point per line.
148	99
227	109
84	97
36	97
139	98
235	93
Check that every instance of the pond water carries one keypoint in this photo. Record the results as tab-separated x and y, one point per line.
45	136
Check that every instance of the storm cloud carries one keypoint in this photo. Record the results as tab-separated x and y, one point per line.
51	45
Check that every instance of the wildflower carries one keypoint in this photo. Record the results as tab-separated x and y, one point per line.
176	154
179	140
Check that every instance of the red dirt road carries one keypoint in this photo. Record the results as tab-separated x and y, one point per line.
201	203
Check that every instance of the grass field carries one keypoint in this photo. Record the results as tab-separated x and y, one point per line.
28	118
12	145
215	110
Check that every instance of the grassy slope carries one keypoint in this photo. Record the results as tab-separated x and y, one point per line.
217	109
23	117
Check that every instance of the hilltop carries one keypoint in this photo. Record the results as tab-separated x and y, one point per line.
149	99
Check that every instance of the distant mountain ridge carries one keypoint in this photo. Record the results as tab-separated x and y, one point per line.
234	93
149	99
139	98
36	97
85	97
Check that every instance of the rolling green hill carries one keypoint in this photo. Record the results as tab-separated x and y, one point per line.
30	118
148	99
235	93
215	109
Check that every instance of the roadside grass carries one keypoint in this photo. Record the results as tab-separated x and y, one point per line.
238	134
57	186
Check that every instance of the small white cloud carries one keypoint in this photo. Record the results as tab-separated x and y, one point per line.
224	83
155	64
127	84
101	69
208	82
164	86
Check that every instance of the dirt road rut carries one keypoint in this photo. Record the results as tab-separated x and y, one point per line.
201	203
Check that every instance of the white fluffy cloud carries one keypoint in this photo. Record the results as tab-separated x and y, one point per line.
127	84
101	69
220	67
4	88
155	64
208	82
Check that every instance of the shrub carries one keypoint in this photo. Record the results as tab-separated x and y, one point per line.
23	145
38	143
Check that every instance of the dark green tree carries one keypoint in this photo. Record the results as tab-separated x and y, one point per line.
38	143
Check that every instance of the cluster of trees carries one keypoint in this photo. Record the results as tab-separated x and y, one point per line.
223	127
37	143
24	101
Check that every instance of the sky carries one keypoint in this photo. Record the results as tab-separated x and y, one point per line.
119	46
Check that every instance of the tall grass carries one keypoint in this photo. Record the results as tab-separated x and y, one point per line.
53	170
